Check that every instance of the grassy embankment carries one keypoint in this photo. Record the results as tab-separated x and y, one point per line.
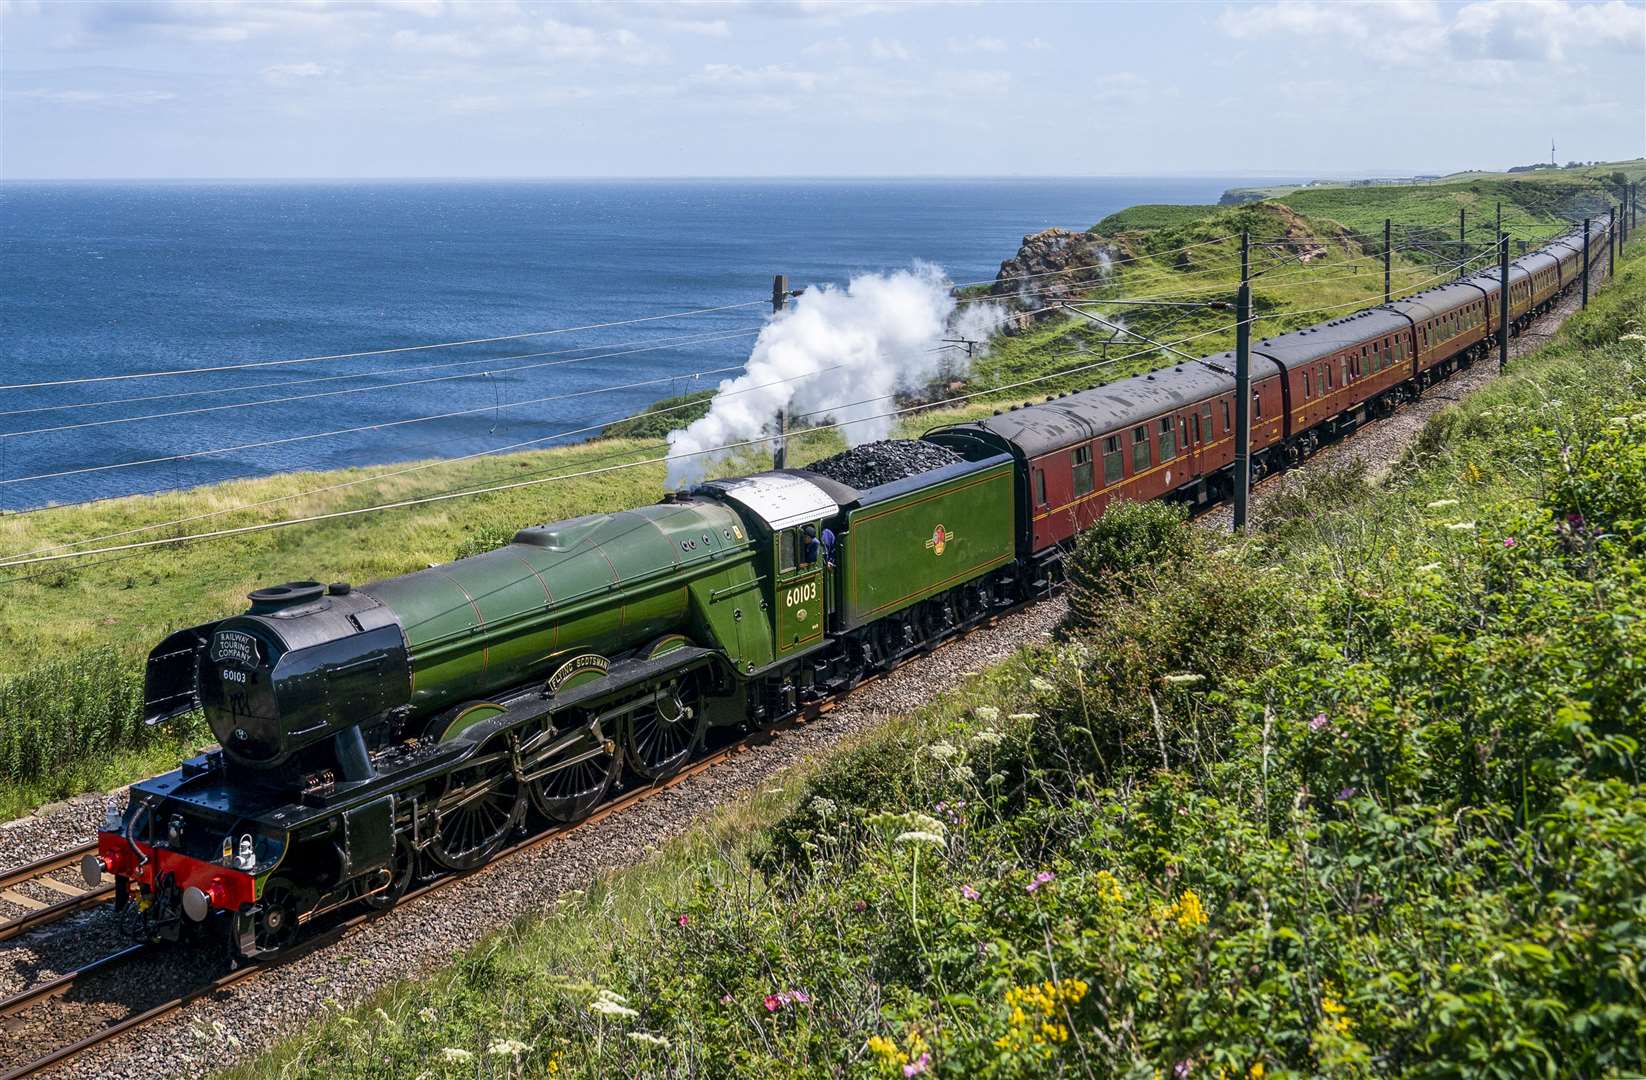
1356	796
72	635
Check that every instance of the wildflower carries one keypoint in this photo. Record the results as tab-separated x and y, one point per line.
885	1050
989	738
1183	1068
603	1007
918	1065
1426	567
427	1014
1024	716
860	906
969	893
920	836
648	1039
1041	685
1045	877
1319	723
1461	526
383	1018
1182	678
725	999
962	774
942	751
1508	541
1256	1071
824	808
610	995
996	779
684	920
508	1047
1441	504
773	1003
1346	794
1108	888
1188	912
455	1053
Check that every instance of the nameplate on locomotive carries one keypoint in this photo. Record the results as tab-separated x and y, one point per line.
587	665
235	647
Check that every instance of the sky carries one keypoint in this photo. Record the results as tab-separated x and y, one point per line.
449	88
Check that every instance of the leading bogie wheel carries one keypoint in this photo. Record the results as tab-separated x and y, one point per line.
660	737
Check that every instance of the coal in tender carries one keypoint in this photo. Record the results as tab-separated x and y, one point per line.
882	462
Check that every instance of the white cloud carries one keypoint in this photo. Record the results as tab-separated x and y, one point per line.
281	74
528	40
962	46
112	98
889	50
1422	32
835	46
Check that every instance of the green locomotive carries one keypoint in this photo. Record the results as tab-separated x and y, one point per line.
370	734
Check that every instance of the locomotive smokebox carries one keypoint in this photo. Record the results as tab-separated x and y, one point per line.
306	664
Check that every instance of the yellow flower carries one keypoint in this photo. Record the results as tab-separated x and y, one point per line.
886	1050
1108	888
1190	914
1256	1071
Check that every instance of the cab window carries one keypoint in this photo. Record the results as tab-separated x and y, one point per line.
788	550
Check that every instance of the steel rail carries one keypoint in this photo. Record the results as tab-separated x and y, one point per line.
334	933
47	912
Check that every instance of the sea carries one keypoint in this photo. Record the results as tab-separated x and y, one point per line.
164	335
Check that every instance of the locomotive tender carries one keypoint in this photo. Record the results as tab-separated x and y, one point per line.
371	734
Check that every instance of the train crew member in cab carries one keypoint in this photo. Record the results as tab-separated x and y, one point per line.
810	533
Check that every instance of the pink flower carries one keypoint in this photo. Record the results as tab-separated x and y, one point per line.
969	893
1183	1068
773	1003
725	999
1045	877
1508	541
860	905
918	1065
1319	723
684	920
800	997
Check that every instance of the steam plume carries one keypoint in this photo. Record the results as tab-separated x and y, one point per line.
840	353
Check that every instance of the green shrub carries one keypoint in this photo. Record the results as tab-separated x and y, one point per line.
1131	539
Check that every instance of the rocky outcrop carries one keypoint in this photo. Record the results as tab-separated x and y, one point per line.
1050	266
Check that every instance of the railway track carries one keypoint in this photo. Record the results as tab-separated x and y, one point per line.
331	934
29	912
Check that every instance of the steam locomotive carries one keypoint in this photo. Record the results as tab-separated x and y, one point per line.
371	735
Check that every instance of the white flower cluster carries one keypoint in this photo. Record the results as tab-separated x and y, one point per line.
608	1003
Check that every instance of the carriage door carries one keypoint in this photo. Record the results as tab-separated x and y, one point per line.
797	607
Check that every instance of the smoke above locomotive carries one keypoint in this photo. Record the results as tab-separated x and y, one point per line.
839	355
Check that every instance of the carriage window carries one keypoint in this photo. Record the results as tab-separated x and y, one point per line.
1114	463
1168	440
1206	419
1140	448
1082	470
1257	406
1040	487
1225	418
1307	392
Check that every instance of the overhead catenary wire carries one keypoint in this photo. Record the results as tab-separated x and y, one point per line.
655	343
250	364
723	335
984	392
213	451
517	484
